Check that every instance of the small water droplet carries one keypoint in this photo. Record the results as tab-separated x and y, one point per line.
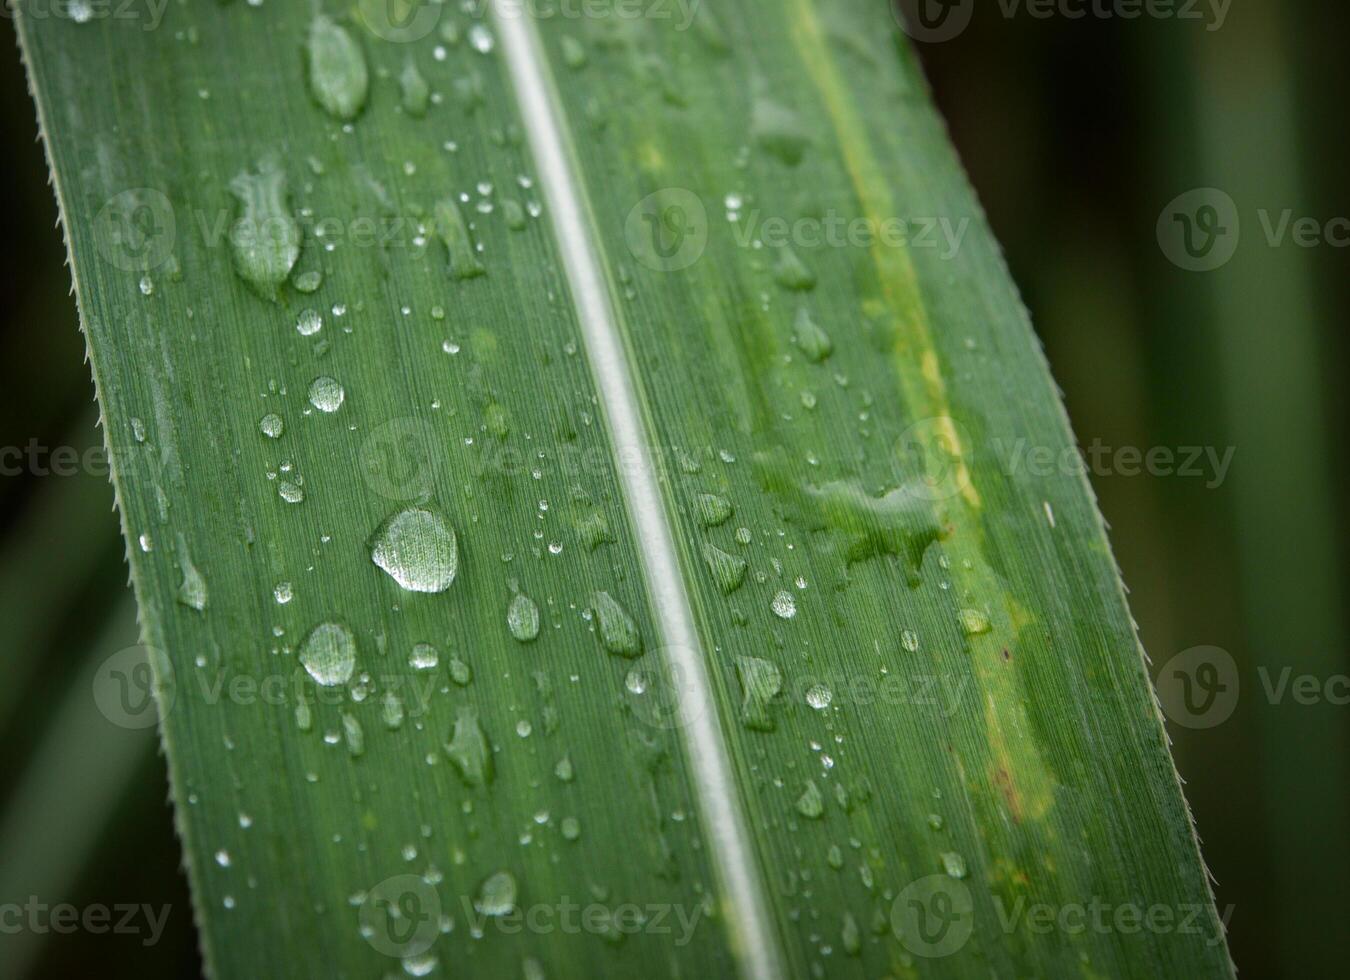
819	696
272	426
954	864
460	672
392	711
481	38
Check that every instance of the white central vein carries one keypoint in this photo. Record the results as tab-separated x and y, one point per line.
719	799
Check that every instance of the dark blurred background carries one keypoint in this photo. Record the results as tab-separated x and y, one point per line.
1078	133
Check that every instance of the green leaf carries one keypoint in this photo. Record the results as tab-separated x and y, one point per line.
640	322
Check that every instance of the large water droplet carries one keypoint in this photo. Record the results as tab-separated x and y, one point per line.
618	633
791	273
811	804
418	549
954	864
775	127
338	78
784	605
192	590
522	618
815	343
761	682
309	322
468	749
974	622
712	509
496	895
416	93
424	656
728	571
326	394
849	936
354	734
264	239
459	245
329	654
